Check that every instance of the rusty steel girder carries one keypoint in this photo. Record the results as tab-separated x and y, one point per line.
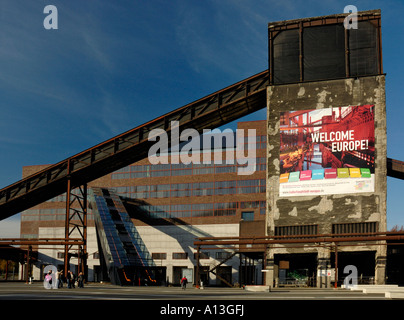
318	239
212	111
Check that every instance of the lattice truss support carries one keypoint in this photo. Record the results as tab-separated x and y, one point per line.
76	225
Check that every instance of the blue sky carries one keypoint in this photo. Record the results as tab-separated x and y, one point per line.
113	65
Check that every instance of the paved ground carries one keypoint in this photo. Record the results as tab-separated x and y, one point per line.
36	291
99	301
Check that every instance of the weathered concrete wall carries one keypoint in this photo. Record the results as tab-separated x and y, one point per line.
329	209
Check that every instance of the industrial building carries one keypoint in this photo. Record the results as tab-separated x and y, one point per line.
170	205
314	202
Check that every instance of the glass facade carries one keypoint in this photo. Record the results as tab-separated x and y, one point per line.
166	170
200	209
179	190
205	189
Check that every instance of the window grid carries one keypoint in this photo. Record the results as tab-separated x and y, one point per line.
193	189
357	227
199	209
296	230
165	170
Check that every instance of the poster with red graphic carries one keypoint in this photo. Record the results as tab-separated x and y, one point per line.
327	151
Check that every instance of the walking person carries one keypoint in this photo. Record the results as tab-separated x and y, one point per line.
69	279
73	279
81	280
184	282
59	281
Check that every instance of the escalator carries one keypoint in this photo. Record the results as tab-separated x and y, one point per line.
126	257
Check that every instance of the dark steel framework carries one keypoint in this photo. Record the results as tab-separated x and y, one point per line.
395	168
212	111
275	28
76	220
332	241
32	245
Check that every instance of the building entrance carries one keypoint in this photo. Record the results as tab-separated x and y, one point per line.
297	269
364	261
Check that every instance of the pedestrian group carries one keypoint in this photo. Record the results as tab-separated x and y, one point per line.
70	279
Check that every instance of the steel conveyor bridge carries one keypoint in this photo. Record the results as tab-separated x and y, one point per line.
212	111
73	173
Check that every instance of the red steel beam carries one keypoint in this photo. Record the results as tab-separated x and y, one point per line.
306	236
41	241
398	236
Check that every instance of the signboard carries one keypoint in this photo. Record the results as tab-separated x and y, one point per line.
327	151
326	273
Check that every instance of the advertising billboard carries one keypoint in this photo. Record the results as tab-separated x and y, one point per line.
327	151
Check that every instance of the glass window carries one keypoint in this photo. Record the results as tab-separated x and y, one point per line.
225	209
202	255
180	255
202	209
226	168
247	216
202	168
159	256
223	255
202	189
181	190
181	169
225	187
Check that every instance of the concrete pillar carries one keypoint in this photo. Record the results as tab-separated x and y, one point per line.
323	264
270	267
380	265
